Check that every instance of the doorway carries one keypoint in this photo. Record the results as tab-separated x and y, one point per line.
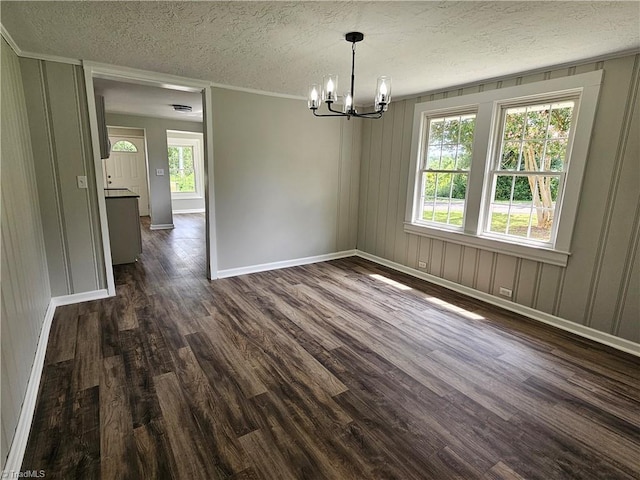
170	83
126	167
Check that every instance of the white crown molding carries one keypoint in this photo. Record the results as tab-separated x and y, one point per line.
12	43
132	73
51	58
584	61
233	272
258	92
566	325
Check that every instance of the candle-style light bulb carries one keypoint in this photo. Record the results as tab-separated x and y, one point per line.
383	93
313	101
330	84
348	103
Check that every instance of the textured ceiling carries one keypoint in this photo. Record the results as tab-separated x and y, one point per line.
283	46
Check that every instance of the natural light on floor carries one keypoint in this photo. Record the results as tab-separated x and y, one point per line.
453	308
388	281
434	300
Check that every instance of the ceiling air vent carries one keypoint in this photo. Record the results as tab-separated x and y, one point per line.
182	108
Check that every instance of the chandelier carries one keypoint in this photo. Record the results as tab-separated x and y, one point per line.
329	94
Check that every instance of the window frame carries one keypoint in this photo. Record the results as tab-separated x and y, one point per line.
486	144
423	168
494	167
195	140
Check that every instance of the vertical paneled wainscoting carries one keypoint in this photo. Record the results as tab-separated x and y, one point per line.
25	283
597	287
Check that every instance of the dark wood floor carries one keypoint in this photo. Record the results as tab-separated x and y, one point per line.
322	371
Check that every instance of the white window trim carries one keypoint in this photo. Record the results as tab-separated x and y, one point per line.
177	138
488	106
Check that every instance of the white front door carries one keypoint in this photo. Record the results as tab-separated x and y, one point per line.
126	167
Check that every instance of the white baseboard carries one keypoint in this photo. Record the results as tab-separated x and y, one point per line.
581	330
162	226
233	272
80	297
21	435
188	210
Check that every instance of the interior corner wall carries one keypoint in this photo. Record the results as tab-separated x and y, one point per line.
286	182
156	139
599	287
25	289
61	142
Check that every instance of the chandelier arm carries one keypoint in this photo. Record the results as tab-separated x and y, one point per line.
332	110
368	115
375	114
339	114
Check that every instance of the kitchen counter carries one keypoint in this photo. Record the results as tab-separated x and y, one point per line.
119	193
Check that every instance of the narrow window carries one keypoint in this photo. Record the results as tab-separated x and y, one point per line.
444	171
182	172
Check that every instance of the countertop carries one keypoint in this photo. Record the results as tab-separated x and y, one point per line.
119	193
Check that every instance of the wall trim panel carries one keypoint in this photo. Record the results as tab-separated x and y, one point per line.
161	226
580	330
80	297
233	272
21	435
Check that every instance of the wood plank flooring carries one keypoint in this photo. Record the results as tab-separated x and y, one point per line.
326	371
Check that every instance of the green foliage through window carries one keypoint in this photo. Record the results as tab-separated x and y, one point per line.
446	165
182	174
533	153
124	146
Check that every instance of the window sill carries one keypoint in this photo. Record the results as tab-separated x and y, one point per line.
186	196
537	254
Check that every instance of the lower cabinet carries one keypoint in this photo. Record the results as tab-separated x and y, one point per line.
124	228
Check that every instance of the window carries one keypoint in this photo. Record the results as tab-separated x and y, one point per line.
182	171
528	170
124	146
186	164
445	169
501	170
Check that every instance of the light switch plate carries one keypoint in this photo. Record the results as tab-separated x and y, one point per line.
159	172
82	181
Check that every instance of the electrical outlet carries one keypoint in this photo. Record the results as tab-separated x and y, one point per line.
82	181
160	172
422	264
505	292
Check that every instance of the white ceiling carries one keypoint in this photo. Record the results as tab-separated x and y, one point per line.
136	99
282	47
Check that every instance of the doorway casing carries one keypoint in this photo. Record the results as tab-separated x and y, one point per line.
130	75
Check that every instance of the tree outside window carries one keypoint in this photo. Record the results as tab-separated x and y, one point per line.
182	175
529	174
